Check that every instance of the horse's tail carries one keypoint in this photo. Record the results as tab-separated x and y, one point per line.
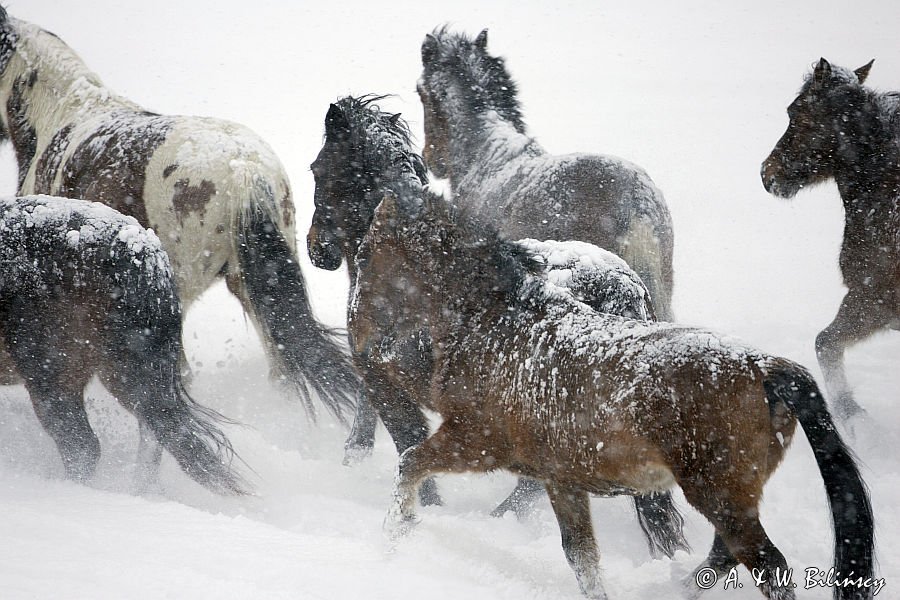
306	354
851	510
189	432
649	254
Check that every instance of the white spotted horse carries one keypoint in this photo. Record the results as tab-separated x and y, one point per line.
214	192
87	291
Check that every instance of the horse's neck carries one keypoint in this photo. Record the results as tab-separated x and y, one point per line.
484	143
874	146
57	87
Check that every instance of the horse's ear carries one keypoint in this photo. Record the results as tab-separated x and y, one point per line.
863	72
821	73
336	120
481	40
429	49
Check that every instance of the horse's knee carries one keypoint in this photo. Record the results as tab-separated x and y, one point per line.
828	347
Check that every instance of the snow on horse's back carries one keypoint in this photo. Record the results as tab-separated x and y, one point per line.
85	290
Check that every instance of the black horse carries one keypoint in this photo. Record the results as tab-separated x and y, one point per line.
366	154
841	130
85	290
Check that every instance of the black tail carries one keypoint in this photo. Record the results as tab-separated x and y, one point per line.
189	432
305	352
662	524
851	510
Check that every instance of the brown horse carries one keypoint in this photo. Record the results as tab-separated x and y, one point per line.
366	153
85	290
530	380
842	130
475	136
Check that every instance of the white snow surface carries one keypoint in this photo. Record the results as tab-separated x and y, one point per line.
694	92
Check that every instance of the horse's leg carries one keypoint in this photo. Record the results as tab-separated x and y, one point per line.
657	515
719	562
61	412
735	515
522	499
149	457
453	448
56	371
361	441
9	375
858	317
128	382
572	509
403	419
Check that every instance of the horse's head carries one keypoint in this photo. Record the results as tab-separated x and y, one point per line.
365	152
821	122
334	177
458	75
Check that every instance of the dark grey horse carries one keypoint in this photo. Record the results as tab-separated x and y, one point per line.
841	130
475	136
85	290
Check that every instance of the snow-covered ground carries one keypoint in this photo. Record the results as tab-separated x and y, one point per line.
694	92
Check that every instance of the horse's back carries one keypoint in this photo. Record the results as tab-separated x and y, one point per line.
188	178
594	198
49	241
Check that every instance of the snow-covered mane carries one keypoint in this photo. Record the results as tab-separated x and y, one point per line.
382	140
478	79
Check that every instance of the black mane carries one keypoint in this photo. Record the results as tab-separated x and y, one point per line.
482	78
384	139
478	254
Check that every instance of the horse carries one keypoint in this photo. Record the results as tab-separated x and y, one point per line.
214	191
476	137
87	291
530	380
366	153
841	130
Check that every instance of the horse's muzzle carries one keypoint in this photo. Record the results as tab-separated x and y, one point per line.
324	254
774	182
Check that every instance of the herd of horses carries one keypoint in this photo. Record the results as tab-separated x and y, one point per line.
558	361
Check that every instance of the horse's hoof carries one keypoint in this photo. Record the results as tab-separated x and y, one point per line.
355	454
396	528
